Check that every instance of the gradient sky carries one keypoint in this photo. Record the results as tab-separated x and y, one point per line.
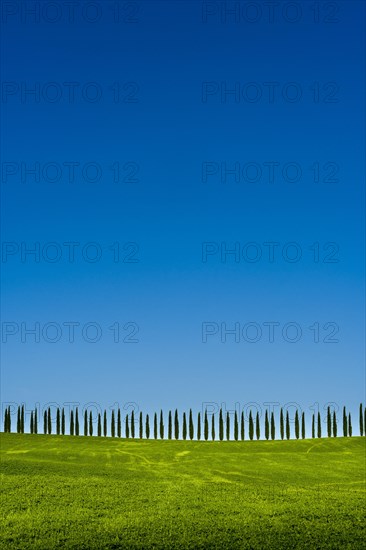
168	127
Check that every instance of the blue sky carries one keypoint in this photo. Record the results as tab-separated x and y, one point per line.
161	132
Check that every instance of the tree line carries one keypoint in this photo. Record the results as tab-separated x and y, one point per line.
203	429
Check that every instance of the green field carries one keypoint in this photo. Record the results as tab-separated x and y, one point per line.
99	493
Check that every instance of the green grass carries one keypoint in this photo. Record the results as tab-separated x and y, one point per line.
99	493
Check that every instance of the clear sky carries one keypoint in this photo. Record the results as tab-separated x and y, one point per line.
163	134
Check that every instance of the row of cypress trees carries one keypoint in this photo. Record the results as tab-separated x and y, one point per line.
188	429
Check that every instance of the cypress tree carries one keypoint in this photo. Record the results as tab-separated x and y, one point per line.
58	421
303	425
221	426
90	423
18	422
105	429
257	426
236	427
85	423
49	421
334	424
213	434
251	426
170	425
349	425
77	427
266	426
273	427
199	426
191	428
288	433
35	421
205	426
297	425
282	426
161	426
147	427
364	420
184	428
31	422
227	426
361	420
72	422
119	425
45	422
99	425
242	427
127	427
176	425
313	426
6	421
329	422
345	431
133	424
63	421
22	420
319	425
155	426
141	426
113	424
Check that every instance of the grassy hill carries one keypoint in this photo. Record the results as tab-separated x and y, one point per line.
104	493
